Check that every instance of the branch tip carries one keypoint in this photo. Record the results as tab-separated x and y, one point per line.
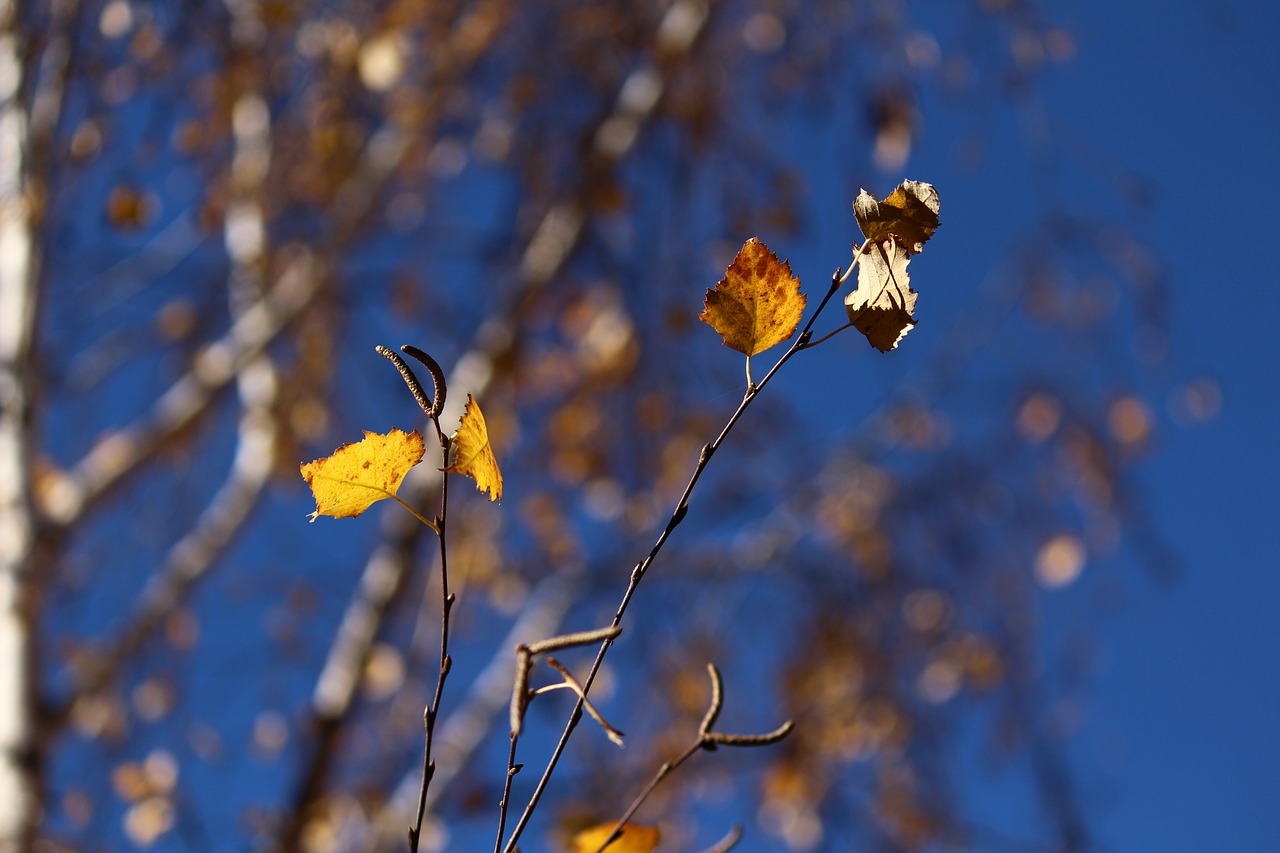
717	700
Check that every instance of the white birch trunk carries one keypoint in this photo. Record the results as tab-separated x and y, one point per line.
19	793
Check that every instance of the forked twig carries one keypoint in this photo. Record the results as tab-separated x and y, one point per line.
706	740
521	695
572	684
637	574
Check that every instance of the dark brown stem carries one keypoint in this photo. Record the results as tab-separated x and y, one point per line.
446	604
637	574
512	770
707	740
663	772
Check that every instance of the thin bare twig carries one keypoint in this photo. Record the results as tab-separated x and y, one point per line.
464	729
717	700
446	606
572	683
637	574
521	695
578	638
706	740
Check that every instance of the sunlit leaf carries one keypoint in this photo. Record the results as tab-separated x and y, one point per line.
359	475
473	456
634	839
757	304
883	304
910	213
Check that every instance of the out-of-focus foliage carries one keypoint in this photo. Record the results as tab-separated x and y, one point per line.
229	204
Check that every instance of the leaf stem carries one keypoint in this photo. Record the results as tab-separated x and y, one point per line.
829	335
428	522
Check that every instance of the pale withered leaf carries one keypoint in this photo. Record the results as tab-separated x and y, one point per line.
883	304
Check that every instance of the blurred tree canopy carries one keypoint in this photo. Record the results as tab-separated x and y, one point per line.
210	213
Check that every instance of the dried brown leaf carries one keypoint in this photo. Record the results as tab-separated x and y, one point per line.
909	213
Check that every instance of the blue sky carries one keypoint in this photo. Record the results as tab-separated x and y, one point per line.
1181	745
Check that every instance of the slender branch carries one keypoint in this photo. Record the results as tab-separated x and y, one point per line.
578	638
766	739
512	769
521	696
706	740
664	771
572	683
465	728
829	335
717	700
446	662
637	574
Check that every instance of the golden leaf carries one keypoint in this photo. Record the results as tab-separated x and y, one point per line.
473	457
910	213
359	475
883	304
757	304
634	839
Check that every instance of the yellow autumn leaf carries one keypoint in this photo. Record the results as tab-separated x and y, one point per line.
634	839
359	475
757	304
883	305
473	457
910	213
